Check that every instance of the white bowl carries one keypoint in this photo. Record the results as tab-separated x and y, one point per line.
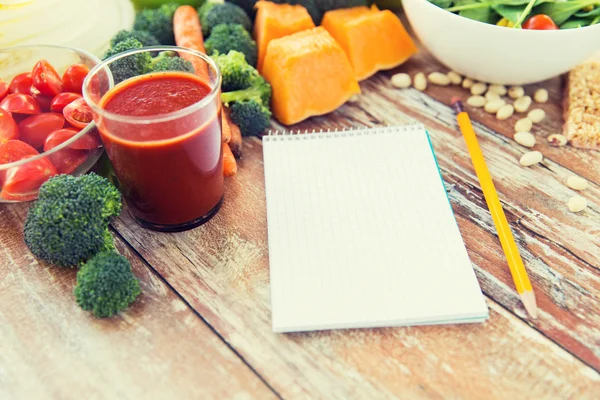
498	54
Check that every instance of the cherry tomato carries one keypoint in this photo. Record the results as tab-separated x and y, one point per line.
8	127
540	22
43	101
67	160
35	129
20	103
46	79
21	83
15	150
86	142
61	100
3	89
78	113
22	183
73	78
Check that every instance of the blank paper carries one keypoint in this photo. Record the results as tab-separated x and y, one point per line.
361	233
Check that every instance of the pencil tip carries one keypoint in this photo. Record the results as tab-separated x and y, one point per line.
528	299
454	99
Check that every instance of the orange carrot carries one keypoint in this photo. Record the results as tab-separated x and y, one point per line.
229	163
188	34
235	142
225	127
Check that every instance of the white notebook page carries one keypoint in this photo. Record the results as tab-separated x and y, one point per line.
361	233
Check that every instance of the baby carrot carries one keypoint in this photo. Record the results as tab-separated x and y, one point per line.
229	163
188	34
225	127
235	142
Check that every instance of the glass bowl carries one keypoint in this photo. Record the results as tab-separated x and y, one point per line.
23	171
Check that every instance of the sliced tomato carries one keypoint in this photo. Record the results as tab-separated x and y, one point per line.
35	129
73	78
61	100
22	183
3	89
86	142
8	127
43	101
19	103
46	79
78	113
21	83
15	150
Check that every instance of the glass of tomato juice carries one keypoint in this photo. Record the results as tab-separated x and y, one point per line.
162	133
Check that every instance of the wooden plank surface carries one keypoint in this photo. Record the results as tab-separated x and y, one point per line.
51	349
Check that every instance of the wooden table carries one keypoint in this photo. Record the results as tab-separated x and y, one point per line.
201	329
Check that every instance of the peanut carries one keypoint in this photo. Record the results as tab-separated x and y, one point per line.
420	82
523	125
577	204
577	183
467	83
557	140
437	78
499	89
505	112
514	92
540	96
493	106
525	139
531	158
476	101
537	115
401	81
454	77
522	104
478	88
489	95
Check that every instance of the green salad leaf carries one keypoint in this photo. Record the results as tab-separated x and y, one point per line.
442	3
576	23
560	12
594	13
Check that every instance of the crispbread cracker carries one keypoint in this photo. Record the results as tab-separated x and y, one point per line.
582	106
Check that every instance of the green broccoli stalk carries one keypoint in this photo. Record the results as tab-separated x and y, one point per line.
68	223
227	37
249	107
128	66
169	61
236	72
106	285
158	21
144	37
212	15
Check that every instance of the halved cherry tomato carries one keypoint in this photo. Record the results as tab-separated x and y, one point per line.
46	79
73	78
20	103
21	83
15	150
61	100
22	183
540	22
35	129
8	127
86	142
43	101
67	160
78	113
3	89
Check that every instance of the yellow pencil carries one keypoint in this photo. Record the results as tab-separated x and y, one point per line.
515	263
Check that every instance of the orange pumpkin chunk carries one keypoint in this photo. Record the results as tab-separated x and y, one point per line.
310	75
274	21
374	40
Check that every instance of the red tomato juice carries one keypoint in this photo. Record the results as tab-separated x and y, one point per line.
170	169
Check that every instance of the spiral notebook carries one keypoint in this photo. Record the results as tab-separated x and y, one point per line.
361	233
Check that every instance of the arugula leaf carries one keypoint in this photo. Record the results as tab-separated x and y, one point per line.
576	23
595	12
442	3
561	12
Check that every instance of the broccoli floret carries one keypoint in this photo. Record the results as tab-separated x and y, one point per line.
247	5
226	13
158	21
68	223
169	61
144	37
129	66
236	72
249	107
227	37
328	5
106	284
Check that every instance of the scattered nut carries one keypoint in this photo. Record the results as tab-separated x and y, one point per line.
476	101
525	139
537	115
523	125
540	96
420	82
467	83
531	158
499	89
514	92
401	81
557	140
437	78
522	104
454	77
489	95
493	106
505	112
478	88
577	204
577	183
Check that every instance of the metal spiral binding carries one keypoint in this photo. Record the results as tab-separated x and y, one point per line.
277	135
